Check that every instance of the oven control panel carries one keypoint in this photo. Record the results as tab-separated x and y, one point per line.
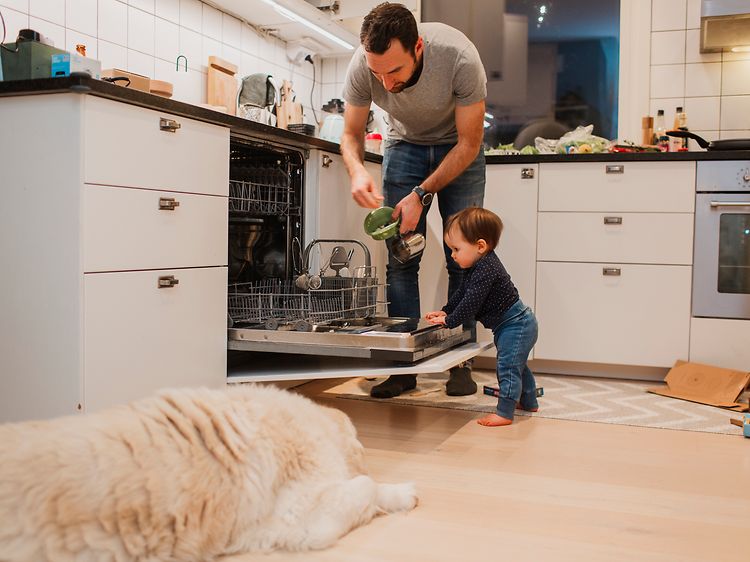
723	175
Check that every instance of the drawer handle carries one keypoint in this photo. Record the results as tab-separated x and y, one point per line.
168	125
612	220
730	203
615	169
327	161
527	173
613	271
168	203
168	281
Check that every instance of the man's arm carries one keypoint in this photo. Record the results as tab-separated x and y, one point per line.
363	188
470	127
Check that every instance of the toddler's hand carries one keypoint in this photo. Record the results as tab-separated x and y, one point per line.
437	317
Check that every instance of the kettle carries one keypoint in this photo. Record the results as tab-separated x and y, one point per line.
379	225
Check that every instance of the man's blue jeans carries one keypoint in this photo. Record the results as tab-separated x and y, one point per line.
405	166
515	336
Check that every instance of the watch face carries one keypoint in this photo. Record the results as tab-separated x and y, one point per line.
426	199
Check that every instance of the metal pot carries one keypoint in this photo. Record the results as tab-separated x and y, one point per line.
408	246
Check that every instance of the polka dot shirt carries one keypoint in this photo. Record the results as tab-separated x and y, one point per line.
485	294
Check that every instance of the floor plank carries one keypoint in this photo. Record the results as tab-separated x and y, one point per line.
544	489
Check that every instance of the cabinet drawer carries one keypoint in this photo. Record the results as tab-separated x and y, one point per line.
126	229
654	238
126	146
639	317
624	186
140	338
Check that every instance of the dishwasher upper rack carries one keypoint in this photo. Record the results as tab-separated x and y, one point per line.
274	304
260	198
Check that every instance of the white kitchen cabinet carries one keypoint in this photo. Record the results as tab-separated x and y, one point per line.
615	246
625	187
656	238
140	335
125	229
624	314
84	323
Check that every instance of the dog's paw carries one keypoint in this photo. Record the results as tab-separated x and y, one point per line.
397	497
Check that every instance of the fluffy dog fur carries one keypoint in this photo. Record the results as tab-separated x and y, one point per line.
186	475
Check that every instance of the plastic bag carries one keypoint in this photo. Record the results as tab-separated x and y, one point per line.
578	141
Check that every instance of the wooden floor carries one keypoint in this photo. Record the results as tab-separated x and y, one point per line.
544	489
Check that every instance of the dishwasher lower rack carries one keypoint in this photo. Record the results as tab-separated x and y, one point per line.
275	304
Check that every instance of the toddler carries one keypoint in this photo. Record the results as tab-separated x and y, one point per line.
488	295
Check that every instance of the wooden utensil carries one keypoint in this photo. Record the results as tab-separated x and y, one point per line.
221	84
288	112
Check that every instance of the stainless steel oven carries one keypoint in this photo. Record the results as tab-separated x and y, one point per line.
721	265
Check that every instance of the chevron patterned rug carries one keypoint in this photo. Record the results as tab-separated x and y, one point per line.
567	398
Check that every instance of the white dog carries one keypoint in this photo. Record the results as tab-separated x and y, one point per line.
186	475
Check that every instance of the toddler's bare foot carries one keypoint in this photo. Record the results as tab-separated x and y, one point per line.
493	420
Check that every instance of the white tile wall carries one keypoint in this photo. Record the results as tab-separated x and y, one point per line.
146	36
714	88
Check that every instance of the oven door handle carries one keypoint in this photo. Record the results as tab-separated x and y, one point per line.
730	203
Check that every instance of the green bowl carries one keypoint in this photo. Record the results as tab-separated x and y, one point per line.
378	218
379	224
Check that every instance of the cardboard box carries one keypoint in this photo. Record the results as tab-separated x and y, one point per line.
705	384
137	82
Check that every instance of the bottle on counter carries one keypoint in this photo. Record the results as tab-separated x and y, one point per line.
660	131
680	124
647	128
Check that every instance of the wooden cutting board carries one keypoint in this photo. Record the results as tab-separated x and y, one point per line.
221	86
288	111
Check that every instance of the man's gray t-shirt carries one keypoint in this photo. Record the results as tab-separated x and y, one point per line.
452	74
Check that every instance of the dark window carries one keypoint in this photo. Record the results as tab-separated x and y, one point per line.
551	65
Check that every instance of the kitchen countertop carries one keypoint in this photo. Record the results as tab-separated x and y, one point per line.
240	126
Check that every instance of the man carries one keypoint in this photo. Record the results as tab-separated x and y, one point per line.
430	81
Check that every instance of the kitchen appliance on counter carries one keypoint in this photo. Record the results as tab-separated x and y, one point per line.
325	300
721	265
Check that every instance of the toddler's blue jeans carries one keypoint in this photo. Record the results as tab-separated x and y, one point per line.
515	336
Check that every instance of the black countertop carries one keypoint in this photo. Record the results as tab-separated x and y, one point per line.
239	126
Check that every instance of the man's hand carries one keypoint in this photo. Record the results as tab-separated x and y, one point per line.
409	209
437	317
364	190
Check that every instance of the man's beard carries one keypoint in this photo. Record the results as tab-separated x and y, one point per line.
401	86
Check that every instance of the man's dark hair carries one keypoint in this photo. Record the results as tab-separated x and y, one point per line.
386	22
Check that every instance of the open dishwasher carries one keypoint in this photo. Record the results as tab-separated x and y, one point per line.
324	299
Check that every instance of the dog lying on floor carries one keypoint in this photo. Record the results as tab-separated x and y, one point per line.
187	475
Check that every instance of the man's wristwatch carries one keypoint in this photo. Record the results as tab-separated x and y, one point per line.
425	197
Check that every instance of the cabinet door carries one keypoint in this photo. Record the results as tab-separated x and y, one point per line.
339	216
664	187
613	313
127	229
512	194
125	145
658	238
140	338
